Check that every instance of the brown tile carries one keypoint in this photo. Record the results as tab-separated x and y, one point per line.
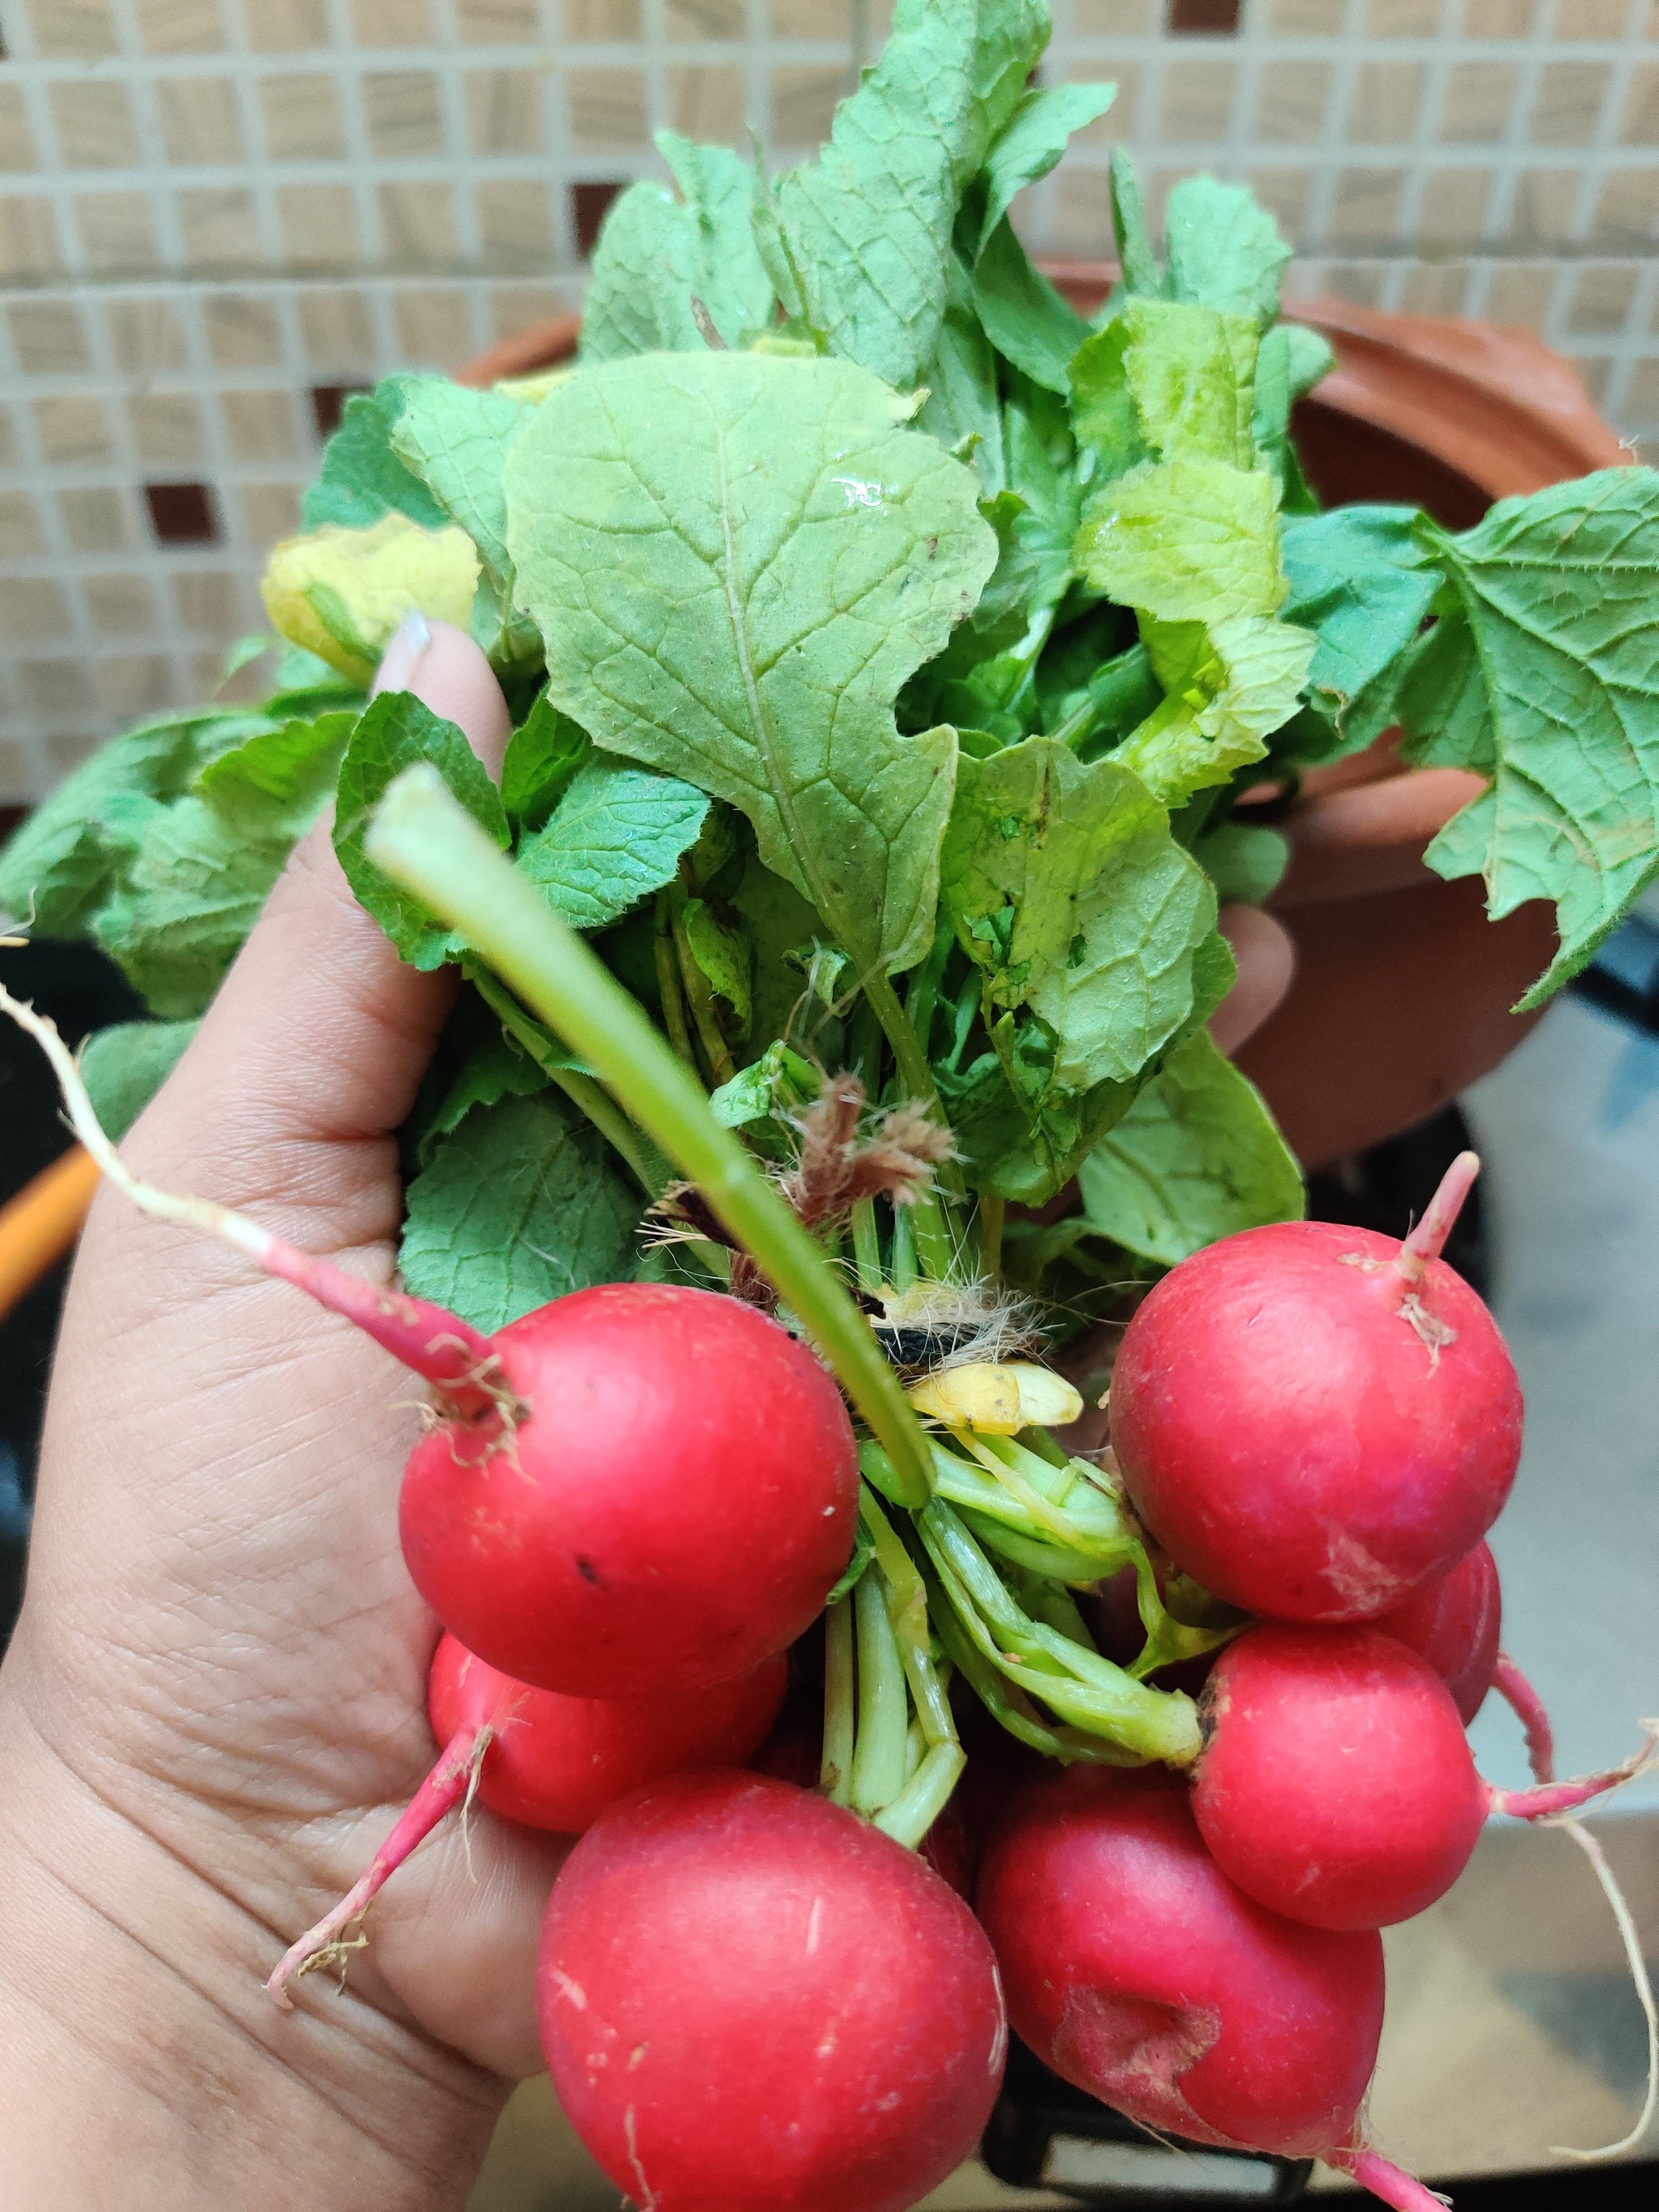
48	337
33	607
19	527
303	117
1454	202
433	330
707	103
1436	287
270	512
1106	19
1600	301
242	330
287	27
590	202
220	228
93	123
260	425
1567	106
146	334
1292	103
318	226
207	598
182	27
1198	98
117	230
73	430
404	114
1519	294
1283	192
95	520
607	106
120	603
329	402
1543	207
1480	99
392	22
709	19
803	100
335	326
504	111
58	687
833	19
498	22
1627	209
133	683
601	19
1508	19
515	219
1401	19
1639	125
167	426
1208	16
28	237
185	514
74	30
419	221
1388	97
1364	205
16	139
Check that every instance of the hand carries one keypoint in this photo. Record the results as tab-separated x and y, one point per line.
215	1703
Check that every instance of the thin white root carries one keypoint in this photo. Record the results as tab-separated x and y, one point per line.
1591	1847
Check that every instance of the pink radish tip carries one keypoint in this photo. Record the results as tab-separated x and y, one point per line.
1391	2183
1550	1799
1524	1702
1427	1240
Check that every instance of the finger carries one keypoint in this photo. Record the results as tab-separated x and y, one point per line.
1355	843
1267	962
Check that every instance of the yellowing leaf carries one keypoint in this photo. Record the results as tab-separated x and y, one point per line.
342	593
997	1398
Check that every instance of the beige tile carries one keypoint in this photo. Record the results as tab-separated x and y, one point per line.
1505	19
504	111
199	119
1519	293
392	22
1639	124
1106	19
16	139
1454	202
33	607
1567	105
242	330
1198	98
829	19
73	29
17	775
182	27
1594	372
1388	97
1479	98
335	325
8	438
802	98
515	219
260	425
1293	99
601	19
19	527
270	512
28	236
1080	214
117	230
73	430
1627	209
95	521
1283	192
207	598
133	683
1597	19
1401	19
1303	18
1118	123
498	22
319	225
1543	207
58	687
404	114
607	106
1642	400
432	331
1647	22
220	228
93	123
518	307
48	337
1436	287
121	603
287	27
146	334
709	19
167	426
1364	205
1600	301
707	102
1360	281
301	116
419	222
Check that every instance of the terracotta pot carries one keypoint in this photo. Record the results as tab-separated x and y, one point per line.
1402	987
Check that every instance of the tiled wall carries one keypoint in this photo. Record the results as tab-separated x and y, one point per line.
217	215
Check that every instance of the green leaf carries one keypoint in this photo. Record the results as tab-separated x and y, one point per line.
657	254
523	1203
495	1069
274	782
186	904
1196	1158
362	478
616	837
1027	321
1168	380
542	753
778	1083
1228	687
1558	591
962	403
124	1067
725	958
864	1550
1033	139
736	560
1361	581
1291	360
455	440
1187	541
1243	861
781	929
1223	250
394	732
1441	696
1042	463
1063	882
1135	254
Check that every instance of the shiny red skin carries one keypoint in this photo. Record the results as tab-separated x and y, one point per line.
1138	1972
557	1762
752	2001
1456	1624
1289	1438
674	1507
1336	1785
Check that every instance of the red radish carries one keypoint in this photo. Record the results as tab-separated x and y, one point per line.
1454	1624
546	1761
1312	1420
750	2000
1139	1972
1336	1785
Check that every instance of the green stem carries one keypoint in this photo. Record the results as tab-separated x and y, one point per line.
915	1076
924	1796
426	841
883	1706
921	995
836	1774
867	1247
907	1593
902	1268
991	1212
586	1096
700	999
668	982
936	1248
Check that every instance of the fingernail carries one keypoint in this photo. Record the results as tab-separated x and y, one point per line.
404	654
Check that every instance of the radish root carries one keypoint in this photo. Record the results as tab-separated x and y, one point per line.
1389	2182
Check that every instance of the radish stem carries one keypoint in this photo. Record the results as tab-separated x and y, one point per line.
1427	1241
835	1772
883	1715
